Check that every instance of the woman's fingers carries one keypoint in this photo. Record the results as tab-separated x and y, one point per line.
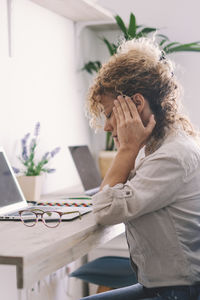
119	111
116	114
122	108
125	107
132	107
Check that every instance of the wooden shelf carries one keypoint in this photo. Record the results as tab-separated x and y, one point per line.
101	26
77	10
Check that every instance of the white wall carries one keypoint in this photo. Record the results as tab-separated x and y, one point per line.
39	83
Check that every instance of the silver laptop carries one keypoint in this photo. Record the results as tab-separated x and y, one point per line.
86	167
12	199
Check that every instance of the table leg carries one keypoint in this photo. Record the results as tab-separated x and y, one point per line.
84	260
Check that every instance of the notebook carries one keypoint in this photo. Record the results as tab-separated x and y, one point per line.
12	199
86	167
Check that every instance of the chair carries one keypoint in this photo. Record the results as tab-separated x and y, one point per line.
108	272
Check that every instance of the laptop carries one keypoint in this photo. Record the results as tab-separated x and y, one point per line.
86	167
12	199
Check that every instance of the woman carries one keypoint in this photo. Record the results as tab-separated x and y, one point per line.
158	198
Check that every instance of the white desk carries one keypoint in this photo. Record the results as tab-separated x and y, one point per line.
39	251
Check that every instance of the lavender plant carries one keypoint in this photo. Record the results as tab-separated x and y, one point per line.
27	157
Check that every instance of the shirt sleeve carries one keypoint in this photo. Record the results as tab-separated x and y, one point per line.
154	186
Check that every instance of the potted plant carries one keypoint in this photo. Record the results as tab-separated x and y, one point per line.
30	176
129	32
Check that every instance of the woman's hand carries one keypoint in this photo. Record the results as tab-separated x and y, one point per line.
131	136
131	133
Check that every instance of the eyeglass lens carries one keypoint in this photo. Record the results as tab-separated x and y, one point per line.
51	219
28	218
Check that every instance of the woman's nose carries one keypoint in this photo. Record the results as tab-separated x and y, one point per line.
107	126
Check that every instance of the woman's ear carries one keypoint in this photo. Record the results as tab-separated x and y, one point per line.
139	101
142	107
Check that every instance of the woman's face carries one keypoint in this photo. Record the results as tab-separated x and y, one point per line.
110	122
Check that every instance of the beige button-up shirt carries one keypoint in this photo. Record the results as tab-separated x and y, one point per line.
160	206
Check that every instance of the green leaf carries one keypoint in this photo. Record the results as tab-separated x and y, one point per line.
108	135
111	47
109	141
112	145
92	66
162	42
31	156
132	26
183	49
163	39
169	46
114	48
145	31
122	26
163	36
194	47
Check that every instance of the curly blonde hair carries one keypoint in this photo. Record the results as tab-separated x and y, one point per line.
139	66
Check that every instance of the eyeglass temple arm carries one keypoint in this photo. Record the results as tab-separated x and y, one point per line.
72	212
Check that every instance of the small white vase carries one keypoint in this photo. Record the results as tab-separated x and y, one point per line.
31	186
105	161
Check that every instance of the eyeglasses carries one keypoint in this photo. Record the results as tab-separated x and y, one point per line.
49	218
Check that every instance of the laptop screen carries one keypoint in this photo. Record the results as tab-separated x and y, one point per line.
11	196
86	167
